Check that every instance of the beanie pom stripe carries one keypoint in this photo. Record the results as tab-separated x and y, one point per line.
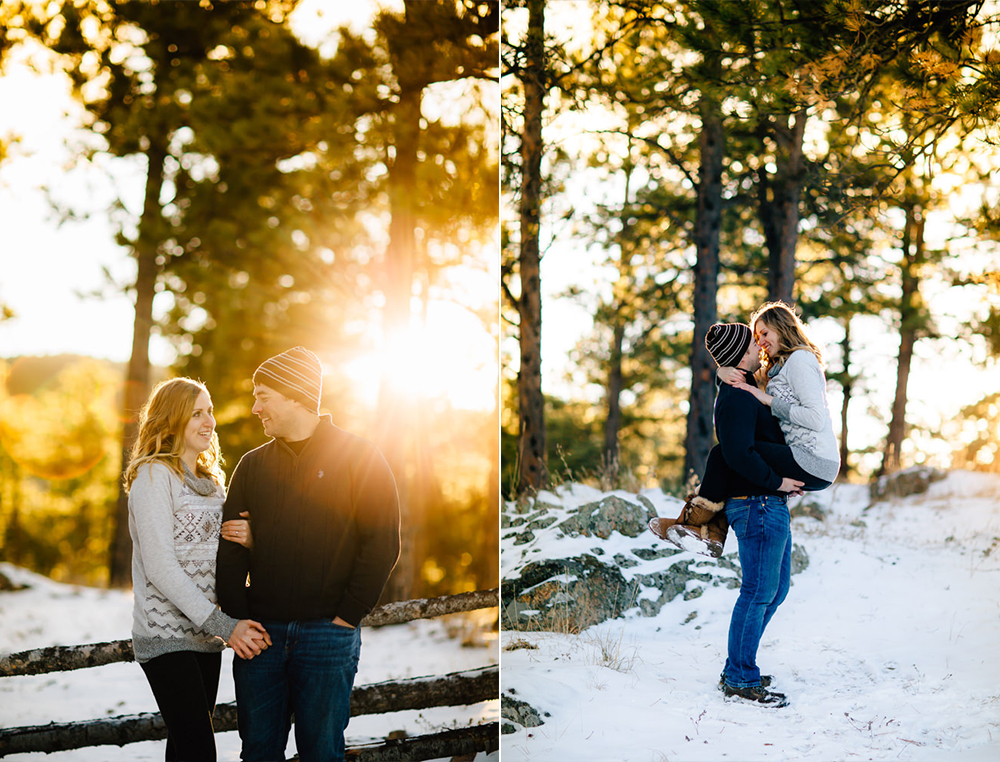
297	374
728	342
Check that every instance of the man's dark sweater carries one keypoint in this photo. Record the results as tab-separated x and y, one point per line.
325	529
740	422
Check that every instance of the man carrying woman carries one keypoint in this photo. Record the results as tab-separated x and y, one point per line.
744	475
796	395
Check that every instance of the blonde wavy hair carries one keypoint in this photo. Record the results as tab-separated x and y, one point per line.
781	319
161	432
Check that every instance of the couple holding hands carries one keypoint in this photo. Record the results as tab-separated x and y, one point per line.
289	596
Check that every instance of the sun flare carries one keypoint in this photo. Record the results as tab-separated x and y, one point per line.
451	358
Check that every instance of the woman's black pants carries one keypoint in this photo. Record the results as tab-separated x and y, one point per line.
715	483
185	684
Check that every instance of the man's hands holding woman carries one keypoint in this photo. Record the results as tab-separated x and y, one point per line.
791	486
249	638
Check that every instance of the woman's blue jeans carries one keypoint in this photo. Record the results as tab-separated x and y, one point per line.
762	527
308	671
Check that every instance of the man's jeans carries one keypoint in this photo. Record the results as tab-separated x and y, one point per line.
309	671
765	541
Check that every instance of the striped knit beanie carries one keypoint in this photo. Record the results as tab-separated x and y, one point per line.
728	342
296	373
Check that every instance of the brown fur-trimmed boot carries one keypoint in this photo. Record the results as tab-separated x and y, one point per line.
708	539
659	526
701	525
699	511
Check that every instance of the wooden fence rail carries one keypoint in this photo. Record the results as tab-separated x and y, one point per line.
39	661
455	689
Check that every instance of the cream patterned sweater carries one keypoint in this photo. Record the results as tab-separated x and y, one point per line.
175	536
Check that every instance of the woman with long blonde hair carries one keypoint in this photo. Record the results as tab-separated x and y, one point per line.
176	489
796	391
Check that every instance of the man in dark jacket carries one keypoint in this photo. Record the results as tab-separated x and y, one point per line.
325	517
756	509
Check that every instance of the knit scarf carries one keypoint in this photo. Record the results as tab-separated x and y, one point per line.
204	486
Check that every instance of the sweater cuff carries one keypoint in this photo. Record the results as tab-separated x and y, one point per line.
781	408
219	624
352	611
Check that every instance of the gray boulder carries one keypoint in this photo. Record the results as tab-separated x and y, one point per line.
554	584
611	514
520	712
911	481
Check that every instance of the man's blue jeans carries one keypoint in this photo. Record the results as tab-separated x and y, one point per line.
762	527
309	671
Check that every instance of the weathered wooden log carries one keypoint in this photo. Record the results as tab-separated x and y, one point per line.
429	608
448	743
63	658
455	689
38	661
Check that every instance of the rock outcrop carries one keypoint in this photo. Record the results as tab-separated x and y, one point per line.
571	562
911	481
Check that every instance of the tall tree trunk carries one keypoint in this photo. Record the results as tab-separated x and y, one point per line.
491	544
847	385
708	222
909	324
137	386
622	314
613	423
395	415
533	472
779	204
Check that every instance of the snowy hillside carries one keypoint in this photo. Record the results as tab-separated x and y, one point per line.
47	614
888	647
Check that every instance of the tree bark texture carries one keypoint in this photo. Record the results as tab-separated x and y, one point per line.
455	689
708	221
40	661
137	384
909	323
779	203
532	471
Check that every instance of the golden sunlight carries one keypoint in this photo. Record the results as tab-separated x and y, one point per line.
447	359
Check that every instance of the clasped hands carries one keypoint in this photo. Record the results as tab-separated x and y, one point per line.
249	638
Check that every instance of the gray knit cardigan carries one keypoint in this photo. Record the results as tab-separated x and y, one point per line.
799	390
175	536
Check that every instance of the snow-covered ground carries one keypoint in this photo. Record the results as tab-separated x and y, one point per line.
48	613
888	648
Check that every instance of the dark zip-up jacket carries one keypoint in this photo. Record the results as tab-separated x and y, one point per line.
740	421
325	529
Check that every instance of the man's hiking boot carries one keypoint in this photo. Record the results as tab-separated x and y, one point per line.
765	681
762	696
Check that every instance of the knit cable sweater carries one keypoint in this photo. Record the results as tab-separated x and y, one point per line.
799	391
175	538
